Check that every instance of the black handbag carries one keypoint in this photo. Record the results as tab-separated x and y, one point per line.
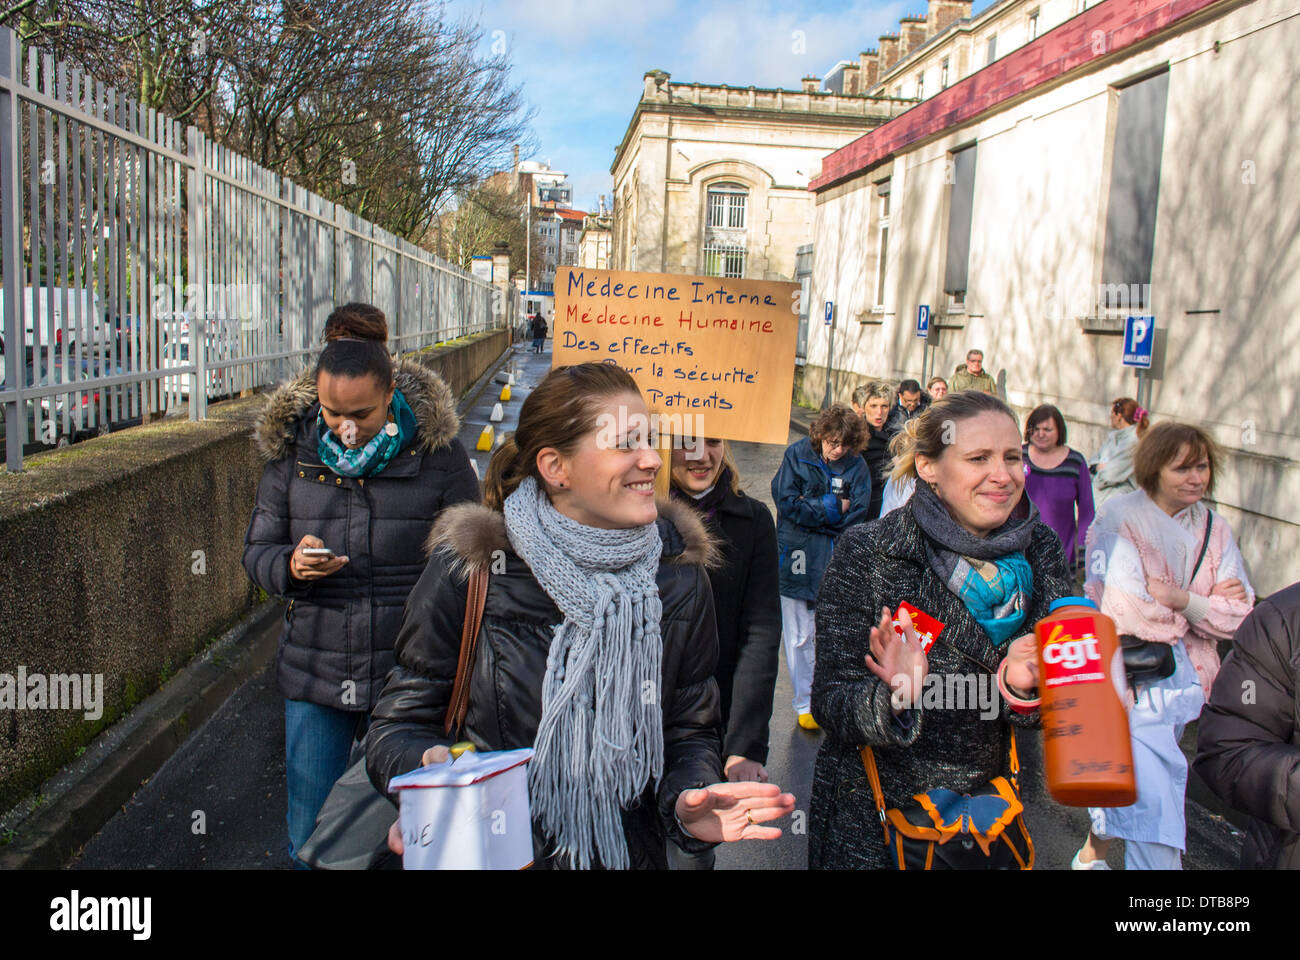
1146	661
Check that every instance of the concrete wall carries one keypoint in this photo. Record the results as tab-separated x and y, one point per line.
121	557
1226	269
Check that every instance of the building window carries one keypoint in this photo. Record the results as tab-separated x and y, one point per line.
1033	24
960	207
1134	189
943	74
920	86
724	260
993	48
882	239
727	206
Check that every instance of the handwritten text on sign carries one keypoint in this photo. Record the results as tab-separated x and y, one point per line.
722	349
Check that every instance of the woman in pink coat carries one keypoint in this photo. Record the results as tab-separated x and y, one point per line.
1166	569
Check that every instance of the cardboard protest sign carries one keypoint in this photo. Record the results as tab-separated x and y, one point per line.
718	352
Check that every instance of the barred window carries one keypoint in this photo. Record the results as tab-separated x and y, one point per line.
727	205
724	260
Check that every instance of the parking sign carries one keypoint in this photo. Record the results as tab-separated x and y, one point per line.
1139	337
923	320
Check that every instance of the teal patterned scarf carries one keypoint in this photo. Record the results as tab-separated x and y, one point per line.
370	459
989	574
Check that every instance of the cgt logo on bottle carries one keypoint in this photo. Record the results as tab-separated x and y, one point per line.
1071	654
77	913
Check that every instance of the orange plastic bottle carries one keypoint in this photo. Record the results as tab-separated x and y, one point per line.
1087	754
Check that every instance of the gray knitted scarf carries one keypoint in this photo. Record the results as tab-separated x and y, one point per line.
601	734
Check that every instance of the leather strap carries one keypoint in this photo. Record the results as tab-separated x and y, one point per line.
475	600
873	778
1205	545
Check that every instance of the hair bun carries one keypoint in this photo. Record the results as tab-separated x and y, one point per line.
356	321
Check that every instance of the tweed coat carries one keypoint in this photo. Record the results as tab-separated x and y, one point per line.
876	565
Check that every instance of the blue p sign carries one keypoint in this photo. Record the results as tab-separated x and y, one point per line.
1139	336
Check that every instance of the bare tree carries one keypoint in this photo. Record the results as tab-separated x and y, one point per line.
387	107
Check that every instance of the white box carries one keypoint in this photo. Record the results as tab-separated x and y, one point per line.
469	814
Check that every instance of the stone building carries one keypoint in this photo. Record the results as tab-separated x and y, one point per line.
711	179
1128	158
596	241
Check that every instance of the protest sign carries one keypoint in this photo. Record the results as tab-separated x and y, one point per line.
714	355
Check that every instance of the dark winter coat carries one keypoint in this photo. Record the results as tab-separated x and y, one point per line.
878	460
877	565
808	513
505	696
747	602
899	415
1248	748
337	643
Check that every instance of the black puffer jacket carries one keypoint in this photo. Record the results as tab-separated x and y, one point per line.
876	565
877	456
1248	746
337	643
747	602
505	698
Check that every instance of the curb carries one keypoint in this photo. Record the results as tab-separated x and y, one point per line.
470	397
86	794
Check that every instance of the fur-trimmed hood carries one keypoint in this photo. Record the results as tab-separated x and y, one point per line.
472	532
429	397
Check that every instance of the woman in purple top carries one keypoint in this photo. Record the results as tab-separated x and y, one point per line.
1057	480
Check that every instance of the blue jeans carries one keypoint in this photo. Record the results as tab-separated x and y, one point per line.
317	741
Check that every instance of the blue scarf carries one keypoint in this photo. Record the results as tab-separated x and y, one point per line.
990	575
374	456
996	592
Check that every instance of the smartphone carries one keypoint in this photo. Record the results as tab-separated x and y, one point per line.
325	552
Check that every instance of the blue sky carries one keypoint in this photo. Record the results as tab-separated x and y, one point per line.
580	62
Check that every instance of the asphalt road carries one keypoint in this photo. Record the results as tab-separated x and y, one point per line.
228	777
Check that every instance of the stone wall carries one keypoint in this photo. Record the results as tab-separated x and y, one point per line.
121	558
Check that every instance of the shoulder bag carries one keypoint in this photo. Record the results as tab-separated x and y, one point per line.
1146	661
943	830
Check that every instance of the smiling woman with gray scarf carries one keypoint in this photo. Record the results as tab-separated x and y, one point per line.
598	643
969	552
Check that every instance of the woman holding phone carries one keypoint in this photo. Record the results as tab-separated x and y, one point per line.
361	456
598	644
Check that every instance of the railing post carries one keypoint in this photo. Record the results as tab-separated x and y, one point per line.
11	224
197	255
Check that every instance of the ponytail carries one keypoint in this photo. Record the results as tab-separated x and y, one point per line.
502	477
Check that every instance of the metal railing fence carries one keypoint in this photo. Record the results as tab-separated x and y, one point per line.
146	269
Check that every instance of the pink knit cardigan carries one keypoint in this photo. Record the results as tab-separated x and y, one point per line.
1135	558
